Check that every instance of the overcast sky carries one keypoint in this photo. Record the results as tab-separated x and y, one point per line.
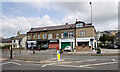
21	16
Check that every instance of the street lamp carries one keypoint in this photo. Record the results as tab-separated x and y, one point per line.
91	11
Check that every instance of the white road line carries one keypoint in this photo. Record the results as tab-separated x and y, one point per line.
113	59
47	64
16	63
72	66
78	61
98	64
44	65
86	60
5	63
10	62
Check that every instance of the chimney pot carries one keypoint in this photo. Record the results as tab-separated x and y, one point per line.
66	23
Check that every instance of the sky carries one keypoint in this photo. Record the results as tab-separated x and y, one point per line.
22	16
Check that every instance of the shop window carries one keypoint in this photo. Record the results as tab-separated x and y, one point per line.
50	36
61	35
44	36
65	34
57	35
70	34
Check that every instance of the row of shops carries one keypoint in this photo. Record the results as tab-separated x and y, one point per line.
62	43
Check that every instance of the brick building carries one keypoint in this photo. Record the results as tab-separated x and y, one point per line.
74	35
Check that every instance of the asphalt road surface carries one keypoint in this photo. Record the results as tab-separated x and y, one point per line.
69	63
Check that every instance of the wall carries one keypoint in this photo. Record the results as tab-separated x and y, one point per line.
90	32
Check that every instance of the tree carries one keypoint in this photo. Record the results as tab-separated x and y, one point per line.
103	38
106	38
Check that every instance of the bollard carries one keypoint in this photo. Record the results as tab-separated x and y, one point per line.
58	55
33	51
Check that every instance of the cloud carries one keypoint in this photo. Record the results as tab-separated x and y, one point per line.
10	25
105	15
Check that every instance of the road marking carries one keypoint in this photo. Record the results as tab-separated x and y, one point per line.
73	66
78	61
47	64
97	64
86	60
113	59
16	63
5	63
44	65
10	62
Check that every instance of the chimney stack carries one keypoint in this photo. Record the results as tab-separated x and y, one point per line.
18	33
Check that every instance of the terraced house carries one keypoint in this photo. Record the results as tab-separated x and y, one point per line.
74	35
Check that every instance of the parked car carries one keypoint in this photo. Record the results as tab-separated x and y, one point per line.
112	47
67	48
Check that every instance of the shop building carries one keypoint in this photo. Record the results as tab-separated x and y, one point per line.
72	35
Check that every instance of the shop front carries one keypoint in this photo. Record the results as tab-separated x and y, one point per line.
88	42
53	44
31	44
42	44
66	42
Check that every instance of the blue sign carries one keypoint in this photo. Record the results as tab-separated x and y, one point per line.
58	52
91	42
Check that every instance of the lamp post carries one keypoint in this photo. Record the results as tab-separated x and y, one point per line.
91	11
75	33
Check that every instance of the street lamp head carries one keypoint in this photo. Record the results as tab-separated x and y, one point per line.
90	3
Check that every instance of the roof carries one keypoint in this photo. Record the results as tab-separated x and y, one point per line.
20	36
7	40
60	27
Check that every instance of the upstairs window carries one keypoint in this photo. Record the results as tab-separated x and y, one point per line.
57	35
79	25
44	36
34	36
50	36
29	37
70	34
38	36
82	33
61	35
65	34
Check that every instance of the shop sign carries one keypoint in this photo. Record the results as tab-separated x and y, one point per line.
53	41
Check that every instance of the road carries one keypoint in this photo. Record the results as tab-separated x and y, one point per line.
81	63
71	62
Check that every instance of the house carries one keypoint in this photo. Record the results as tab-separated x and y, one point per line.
109	32
5	41
19	41
74	35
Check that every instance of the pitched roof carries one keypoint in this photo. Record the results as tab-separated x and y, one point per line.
20	36
7	40
68	26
